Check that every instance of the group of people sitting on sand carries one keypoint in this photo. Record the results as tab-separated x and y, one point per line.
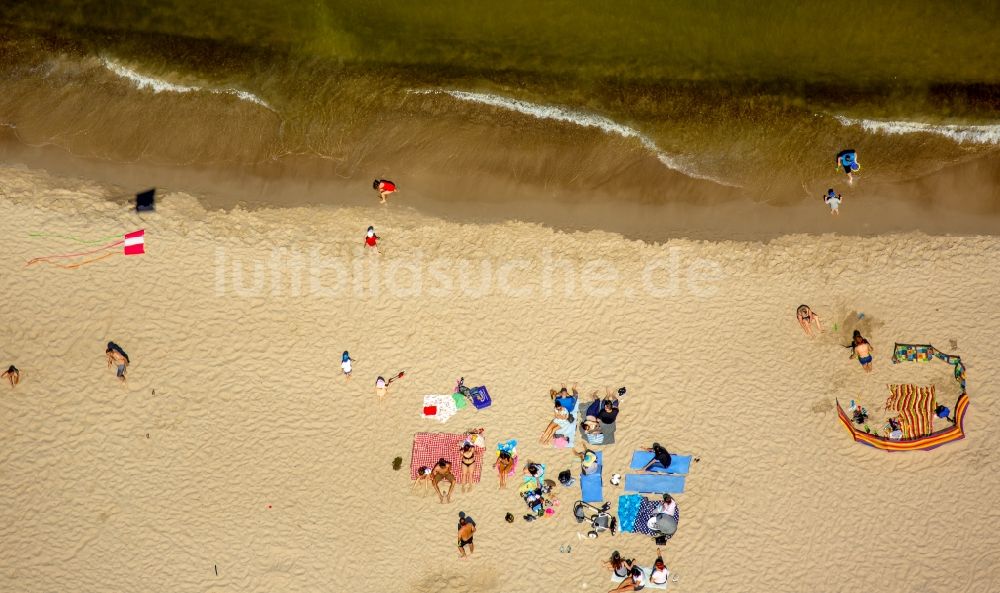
599	413
431	477
634	578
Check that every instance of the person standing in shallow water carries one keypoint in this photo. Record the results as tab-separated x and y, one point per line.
833	200
384	187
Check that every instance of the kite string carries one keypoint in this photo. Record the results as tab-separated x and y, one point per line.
72	238
78	264
48	257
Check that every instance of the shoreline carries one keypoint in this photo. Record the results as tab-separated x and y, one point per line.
960	199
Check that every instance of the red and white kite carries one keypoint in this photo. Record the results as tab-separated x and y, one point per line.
132	244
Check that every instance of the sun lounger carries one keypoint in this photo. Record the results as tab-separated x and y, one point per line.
654	483
591	485
679	464
646	570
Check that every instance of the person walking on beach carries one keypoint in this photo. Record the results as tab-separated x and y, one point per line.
13	375
440	473
371	240
117	357
833	200
345	364
848	159
807	318
862	350
384	187
466	530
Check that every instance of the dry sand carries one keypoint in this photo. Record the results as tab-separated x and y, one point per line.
255	456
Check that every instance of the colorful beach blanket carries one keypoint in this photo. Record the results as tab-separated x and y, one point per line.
429	447
634	512
915	406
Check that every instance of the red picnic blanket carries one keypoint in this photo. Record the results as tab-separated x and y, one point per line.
429	447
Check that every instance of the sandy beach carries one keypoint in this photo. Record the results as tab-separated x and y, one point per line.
238	458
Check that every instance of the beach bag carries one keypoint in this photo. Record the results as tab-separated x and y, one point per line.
460	401
480	397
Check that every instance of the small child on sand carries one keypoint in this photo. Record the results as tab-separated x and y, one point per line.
345	364
423	478
13	375
833	200
371	240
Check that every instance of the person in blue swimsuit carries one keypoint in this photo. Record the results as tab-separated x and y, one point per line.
862	350
848	159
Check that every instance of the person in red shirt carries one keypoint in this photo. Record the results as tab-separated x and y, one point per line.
371	239
384	187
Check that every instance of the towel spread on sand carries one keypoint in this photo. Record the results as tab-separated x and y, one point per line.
915	406
634	512
429	447
445	407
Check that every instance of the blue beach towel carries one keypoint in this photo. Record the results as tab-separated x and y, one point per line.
679	464
654	483
628	508
591	485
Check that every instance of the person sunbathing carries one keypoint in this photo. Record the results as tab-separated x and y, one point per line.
442	472
423	478
618	566
635	581
563	392
504	465
560	414
13	375
468	463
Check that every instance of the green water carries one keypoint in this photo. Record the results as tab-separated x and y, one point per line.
736	90
916	41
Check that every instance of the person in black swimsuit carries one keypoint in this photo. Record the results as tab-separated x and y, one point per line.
468	462
660	457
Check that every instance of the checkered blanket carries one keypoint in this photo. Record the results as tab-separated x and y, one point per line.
428	447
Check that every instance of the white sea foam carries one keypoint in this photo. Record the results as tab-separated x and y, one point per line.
982	134
157	85
579	118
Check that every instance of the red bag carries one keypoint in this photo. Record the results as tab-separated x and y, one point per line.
430	410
